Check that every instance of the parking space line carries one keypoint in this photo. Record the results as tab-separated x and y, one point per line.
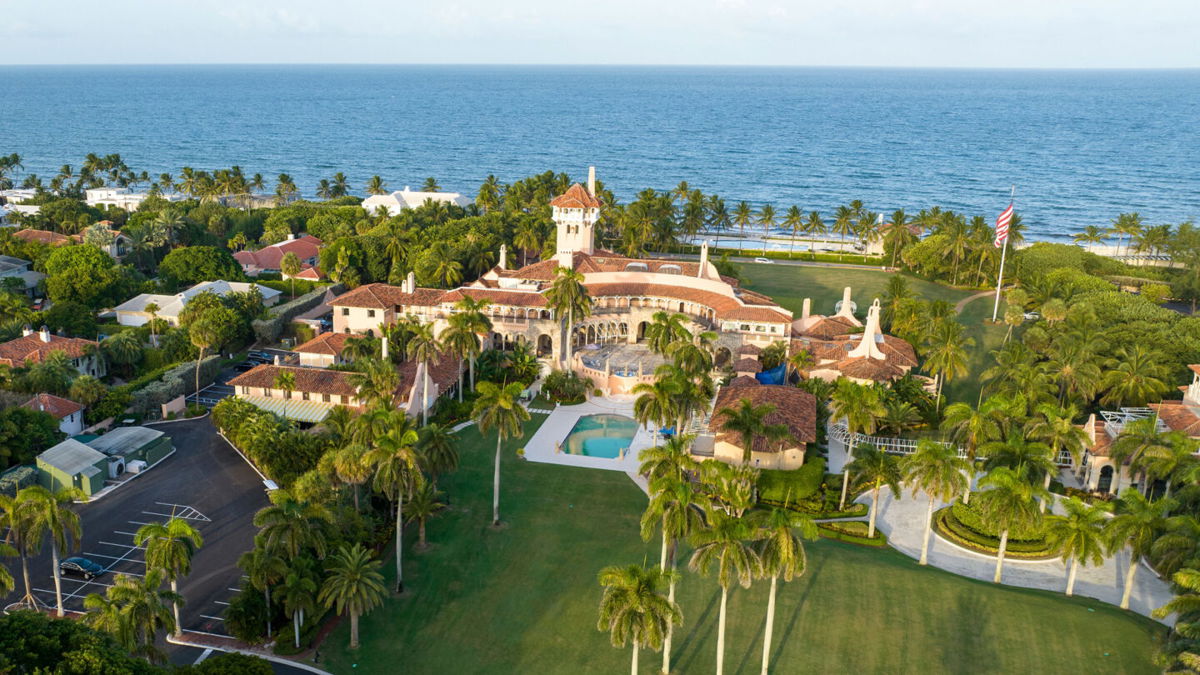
212	618
110	543
131	534
235	590
221	603
113	557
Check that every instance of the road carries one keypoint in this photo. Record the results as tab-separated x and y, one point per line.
205	482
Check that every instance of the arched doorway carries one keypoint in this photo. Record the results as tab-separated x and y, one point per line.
545	345
1104	483
641	331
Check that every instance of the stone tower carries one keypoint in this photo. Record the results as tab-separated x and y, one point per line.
575	212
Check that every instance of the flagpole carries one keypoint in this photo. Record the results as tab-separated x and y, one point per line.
1003	253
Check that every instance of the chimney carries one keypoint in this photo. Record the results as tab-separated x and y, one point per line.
1090	429
384	345
291	236
26	330
411	283
592	181
503	256
846	312
44	333
807	309
278	360
703	258
867	347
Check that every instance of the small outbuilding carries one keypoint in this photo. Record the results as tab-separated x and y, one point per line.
72	464
131	444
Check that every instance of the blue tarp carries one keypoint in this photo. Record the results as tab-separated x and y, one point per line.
775	375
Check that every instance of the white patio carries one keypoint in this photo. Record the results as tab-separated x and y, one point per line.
544	445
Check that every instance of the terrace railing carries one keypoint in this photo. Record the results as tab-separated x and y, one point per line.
906	446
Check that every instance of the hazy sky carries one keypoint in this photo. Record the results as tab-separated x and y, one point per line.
992	33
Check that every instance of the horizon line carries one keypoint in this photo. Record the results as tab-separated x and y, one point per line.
591	65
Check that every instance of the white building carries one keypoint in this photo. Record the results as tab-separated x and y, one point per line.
68	413
407	199
133	312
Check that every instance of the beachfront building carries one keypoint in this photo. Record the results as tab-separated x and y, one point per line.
400	200
68	413
1097	471
842	346
269	258
135	312
794	408
36	346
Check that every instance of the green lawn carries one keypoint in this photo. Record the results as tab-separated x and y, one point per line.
524	599
789	285
987	339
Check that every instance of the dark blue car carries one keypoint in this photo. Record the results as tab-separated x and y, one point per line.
81	567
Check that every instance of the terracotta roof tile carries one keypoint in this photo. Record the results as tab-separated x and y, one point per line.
269	257
1179	416
576	197
830	327
743	381
311	380
497	296
747	366
794	407
16	352
866	368
384	296
42	237
57	406
325	343
753	350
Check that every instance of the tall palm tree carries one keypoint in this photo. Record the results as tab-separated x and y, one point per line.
1092	234
51	515
339	185
748	421
1137	439
766	218
793	220
460	340
1136	523
375	382
474	317
656	403
264	567
285	380
24	532
937	470
633	608
947	354
861	408
1078	535
526	238
395	462
169	548
425	349
204	334
665	329
1184	645
298	594
781	554
743	215
672	459
289	525
498	408
871	470
843	224
353	585
726	544
1010	502
1137	376
376	186
814	227
1126	225
137	608
675	508
569	299
437	450
424	503
352	468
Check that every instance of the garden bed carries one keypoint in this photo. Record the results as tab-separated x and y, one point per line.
951	528
853	532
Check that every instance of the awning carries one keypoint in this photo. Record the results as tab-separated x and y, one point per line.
293	409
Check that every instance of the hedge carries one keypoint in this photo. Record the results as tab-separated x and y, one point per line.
16	478
269	330
945	524
776	485
853	532
970	518
176	381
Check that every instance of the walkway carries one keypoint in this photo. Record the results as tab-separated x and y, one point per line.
903	521
961	304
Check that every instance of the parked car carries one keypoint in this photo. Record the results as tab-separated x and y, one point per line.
81	567
1032	316
261	356
762	260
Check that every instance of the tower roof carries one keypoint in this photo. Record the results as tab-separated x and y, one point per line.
576	197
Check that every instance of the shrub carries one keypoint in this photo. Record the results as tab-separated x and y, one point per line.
1156	293
852	532
247	614
969	517
952	529
566	387
233	663
797	484
16	478
268	330
113	403
176	381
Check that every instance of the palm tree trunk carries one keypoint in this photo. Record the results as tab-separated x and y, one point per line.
1133	565
267	592
496	485
928	529
353	630
666	668
175	608
634	668
421	533
846	472
57	576
296	627
662	563
1000	556
1071	577
770	626
721	634
472	372
356	509
25	575
874	508
198	360
1047	498
399	537
460	381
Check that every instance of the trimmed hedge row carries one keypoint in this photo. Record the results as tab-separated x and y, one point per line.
269	330
854	532
950	528
16	478
970	518
176	381
779	485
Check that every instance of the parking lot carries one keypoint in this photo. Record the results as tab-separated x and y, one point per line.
213	393
206	483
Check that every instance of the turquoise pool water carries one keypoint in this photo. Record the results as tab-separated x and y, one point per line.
600	436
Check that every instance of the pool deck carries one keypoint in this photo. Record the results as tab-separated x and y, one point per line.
543	445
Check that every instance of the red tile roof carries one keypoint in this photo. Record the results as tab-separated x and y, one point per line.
57	406
576	197
866	368
16	352
747	365
830	327
325	343
311	380
1179	416
42	237
496	296
794	407
383	296
269	257
1194	367
753	350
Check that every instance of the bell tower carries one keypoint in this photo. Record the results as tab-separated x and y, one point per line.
575	213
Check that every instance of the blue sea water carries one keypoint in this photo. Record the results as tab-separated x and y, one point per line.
1081	146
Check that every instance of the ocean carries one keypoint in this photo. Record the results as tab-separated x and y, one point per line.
1080	146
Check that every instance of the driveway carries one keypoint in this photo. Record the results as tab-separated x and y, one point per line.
204	482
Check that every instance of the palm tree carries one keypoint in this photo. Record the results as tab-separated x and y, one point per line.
375	382
264	568
656	403
351	467
339	185
437	450
1127	225
290	266
725	543
423	504
766	218
1078	536
1137	376
137	608
460	340
476	319
290	525
1092	234
7	583
748	421
1137	439
1011	502
871	470
665	329
24	532
814	227
937	470
395	462
424	348
285	380
793	219
781	554
498	408
743	215
124	349
49	514
285	189
430	185
843	224
676	508
298	592
204	333
947	354
376	186
1136	524
633	609
526	238
569	299
169	548
861	408
671	459
353	585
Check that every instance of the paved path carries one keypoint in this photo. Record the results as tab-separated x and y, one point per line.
903	520
958	308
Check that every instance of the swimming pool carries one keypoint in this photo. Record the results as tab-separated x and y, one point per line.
600	436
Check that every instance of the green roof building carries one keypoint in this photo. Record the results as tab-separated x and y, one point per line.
72	464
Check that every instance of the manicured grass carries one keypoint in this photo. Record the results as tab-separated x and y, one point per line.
523	598
979	358
790	284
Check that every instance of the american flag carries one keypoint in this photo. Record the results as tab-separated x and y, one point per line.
1002	222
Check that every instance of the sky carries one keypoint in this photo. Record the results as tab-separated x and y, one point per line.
904	33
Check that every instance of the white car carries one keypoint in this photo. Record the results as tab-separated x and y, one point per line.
763	260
